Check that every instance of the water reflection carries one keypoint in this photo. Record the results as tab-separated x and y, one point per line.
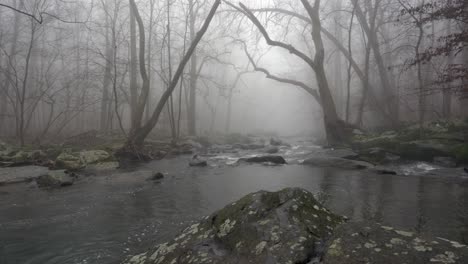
105	218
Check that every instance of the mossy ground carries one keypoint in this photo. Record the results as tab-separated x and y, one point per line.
443	139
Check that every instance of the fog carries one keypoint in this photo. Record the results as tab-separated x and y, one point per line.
65	65
122	121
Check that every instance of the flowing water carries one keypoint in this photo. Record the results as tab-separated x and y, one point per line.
104	218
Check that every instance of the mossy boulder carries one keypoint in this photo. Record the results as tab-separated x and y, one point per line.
69	161
354	243
22	157
424	150
461	153
94	156
57	178
287	226
436	139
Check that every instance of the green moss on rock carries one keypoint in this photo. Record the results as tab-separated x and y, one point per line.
262	227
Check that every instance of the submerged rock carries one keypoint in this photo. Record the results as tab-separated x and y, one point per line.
56	178
197	162
355	243
378	155
278	142
156	176
447	162
337	163
20	174
287	226
267	159
249	146
271	150
344	153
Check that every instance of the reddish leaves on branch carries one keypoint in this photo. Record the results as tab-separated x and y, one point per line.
448	45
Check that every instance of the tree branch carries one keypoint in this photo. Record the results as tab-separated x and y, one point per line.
271	42
302	85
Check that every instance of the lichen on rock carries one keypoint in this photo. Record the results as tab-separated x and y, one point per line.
262	227
386	245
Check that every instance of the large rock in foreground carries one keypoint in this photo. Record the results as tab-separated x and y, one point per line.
264	227
355	243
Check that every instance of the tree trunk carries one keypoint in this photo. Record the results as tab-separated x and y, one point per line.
365	86
191	118
22	99
348	84
105	101
371	33
338	64
138	134
334	127
133	69
447	92
7	85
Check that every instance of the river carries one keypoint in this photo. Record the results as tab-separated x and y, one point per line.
105	217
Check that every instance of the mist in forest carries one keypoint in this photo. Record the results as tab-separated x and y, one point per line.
121	121
68	67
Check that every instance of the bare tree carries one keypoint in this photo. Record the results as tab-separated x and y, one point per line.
138	132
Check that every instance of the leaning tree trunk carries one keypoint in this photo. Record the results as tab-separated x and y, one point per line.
334	127
138	134
193	77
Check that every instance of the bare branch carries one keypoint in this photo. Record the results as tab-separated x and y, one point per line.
271	42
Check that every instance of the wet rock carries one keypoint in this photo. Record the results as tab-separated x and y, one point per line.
263	227
103	166
156	176
437	139
94	156
447	162
334	162
344	153
354	243
68	161
3	146
56	178
249	146
22	157
378	155
236	138
194	144
272	150
278	142
383	171
197	162
262	159
20	174
424	150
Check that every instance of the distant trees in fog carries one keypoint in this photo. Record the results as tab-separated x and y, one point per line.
130	66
